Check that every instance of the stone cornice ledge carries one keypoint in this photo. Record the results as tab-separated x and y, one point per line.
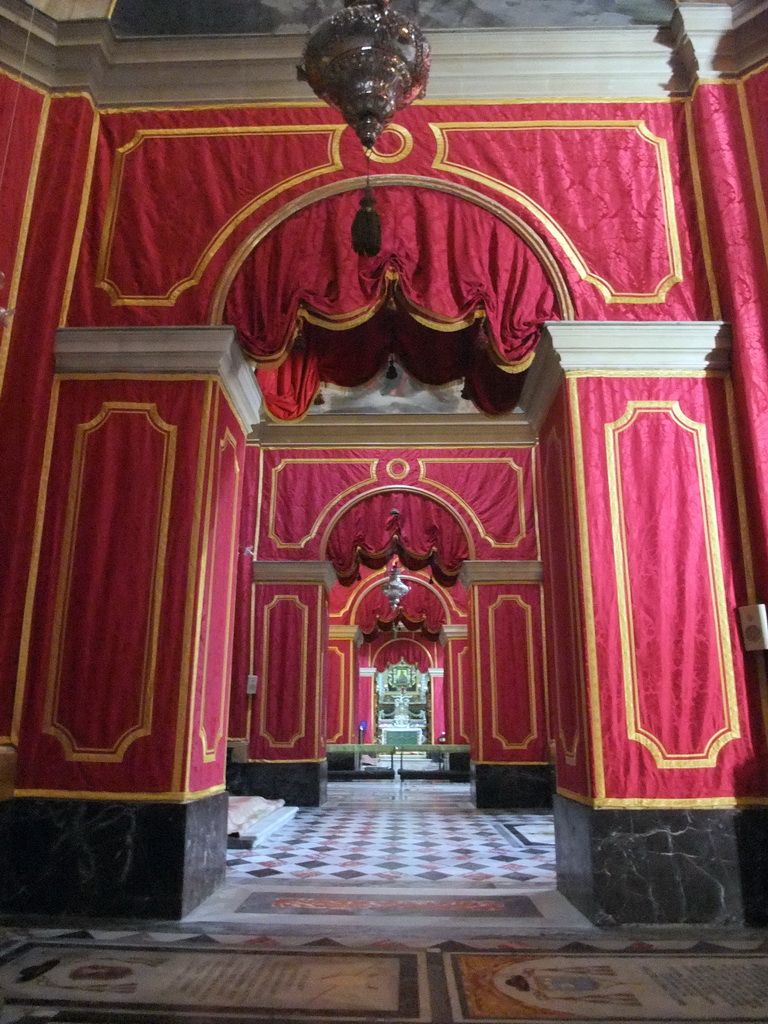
453	633
171	350
593	346
347	431
500	572
641	345
353	633
714	40
485	64
294	572
705	40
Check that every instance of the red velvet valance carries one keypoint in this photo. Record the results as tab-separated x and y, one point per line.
352	357
419	611
402	649
410	525
447	262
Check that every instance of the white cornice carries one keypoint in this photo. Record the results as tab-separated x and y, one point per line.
487	64
295	572
366	431
71	48
500	572
448	633
594	346
641	345
173	350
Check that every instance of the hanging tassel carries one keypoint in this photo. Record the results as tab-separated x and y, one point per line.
366	227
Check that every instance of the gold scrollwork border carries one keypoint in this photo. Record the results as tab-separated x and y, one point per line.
533	240
569	750
443	594
389	489
459	689
496	692
227	442
51	725
375	582
443	162
402	471
265	674
517	471
413	641
117	298
405	140
595	765
663	759
371	464
345	697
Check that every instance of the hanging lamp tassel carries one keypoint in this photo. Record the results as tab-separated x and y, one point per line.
366	227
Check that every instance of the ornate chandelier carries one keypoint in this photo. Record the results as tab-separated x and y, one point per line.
368	62
394	589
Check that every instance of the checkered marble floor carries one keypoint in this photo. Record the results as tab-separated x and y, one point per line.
414	833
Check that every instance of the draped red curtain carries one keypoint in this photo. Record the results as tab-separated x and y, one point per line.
403	649
352	357
402	523
419	611
469	292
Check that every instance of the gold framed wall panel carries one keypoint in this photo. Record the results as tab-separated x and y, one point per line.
636	730
265	674
227	443
517	471
495	691
51	707
442	161
331	164
371	464
569	749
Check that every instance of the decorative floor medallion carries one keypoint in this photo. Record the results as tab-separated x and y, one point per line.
493	987
103	982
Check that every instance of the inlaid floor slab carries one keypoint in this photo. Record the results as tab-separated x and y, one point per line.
141	977
412	833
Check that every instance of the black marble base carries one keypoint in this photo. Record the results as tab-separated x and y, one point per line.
109	858
299	783
665	866
512	785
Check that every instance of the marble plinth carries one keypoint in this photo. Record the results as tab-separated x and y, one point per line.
511	785
299	783
109	858
663	866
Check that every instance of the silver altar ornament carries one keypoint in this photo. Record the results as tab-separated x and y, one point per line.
368	61
394	589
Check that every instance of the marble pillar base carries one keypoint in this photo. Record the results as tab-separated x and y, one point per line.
512	785
666	866
299	783
109	858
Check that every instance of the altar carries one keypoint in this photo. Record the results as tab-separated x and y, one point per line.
402	705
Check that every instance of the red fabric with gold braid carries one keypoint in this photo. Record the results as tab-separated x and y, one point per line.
410	525
46	162
419	610
675	703
486	494
113	706
505	624
390	652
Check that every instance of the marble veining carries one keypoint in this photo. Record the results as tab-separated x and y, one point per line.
663	866
110	857
284	17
